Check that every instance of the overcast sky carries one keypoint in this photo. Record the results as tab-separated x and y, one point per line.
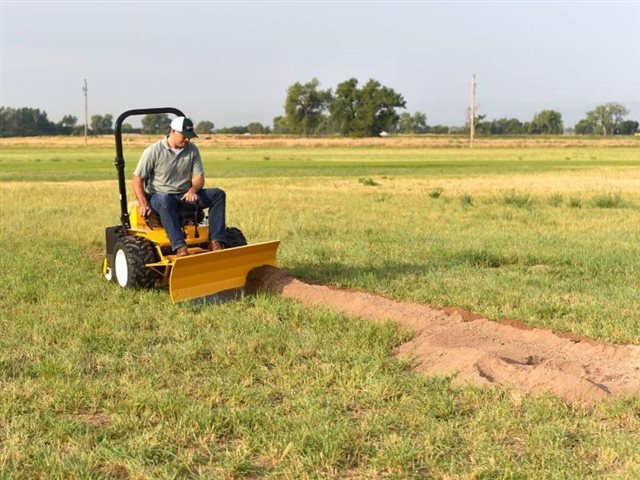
232	62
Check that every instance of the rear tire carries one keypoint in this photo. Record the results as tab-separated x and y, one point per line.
131	256
235	238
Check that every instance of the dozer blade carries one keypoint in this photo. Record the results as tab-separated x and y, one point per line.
206	274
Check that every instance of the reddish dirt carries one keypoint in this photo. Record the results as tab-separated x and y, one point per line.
480	351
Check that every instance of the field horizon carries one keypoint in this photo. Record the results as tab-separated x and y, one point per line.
272	140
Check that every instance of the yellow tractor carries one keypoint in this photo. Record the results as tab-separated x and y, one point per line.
138	252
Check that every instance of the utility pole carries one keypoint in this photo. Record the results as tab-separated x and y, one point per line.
472	111
85	89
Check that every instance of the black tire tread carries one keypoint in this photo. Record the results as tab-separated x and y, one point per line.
235	238
138	252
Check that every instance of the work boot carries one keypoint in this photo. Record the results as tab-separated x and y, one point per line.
182	252
215	245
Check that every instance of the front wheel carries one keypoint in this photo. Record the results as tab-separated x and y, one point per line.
131	256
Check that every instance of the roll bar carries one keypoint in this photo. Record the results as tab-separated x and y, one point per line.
119	162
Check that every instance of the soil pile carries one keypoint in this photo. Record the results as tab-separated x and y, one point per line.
480	351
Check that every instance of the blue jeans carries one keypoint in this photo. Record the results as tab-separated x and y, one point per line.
168	207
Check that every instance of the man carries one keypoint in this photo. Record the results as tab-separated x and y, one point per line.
169	177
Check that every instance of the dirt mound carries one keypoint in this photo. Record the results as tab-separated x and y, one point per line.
481	351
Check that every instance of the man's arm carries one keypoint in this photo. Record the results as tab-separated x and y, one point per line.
196	185
138	188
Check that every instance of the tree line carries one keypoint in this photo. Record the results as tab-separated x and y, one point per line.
371	110
351	110
26	122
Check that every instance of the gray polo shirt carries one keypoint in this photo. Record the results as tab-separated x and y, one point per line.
164	171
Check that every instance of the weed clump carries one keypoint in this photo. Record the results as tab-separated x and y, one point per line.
575	202
466	200
479	258
369	182
608	200
520	200
436	192
556	200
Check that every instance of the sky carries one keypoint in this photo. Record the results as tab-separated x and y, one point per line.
232	62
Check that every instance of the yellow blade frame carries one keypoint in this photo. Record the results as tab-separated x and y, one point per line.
205	274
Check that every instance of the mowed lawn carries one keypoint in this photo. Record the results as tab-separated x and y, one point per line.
97	382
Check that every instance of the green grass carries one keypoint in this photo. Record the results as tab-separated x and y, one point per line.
96	163
97	382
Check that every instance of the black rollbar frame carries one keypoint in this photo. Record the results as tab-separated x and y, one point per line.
119	162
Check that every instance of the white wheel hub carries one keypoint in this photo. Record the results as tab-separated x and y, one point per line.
122	268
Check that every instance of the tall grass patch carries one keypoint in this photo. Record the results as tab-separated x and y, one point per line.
516	199
608	200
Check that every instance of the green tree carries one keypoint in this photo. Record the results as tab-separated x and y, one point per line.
24	122
158	123
506	126
280	126
502	126
628	127
344	106
366	111
327	126
585	126
606	118
405	123
416	123
305	106
547	122
482	126
127	128
205	127
101	124
512	126
256	128
68	121
235	130
420	123
440	130
67	125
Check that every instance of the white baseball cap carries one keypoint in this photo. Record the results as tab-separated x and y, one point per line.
184	126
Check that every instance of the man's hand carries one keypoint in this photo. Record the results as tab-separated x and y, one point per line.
190	197
145	210
143	204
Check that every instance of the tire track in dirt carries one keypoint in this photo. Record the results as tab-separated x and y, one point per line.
480	351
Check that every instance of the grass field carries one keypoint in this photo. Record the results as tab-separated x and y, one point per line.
96	382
